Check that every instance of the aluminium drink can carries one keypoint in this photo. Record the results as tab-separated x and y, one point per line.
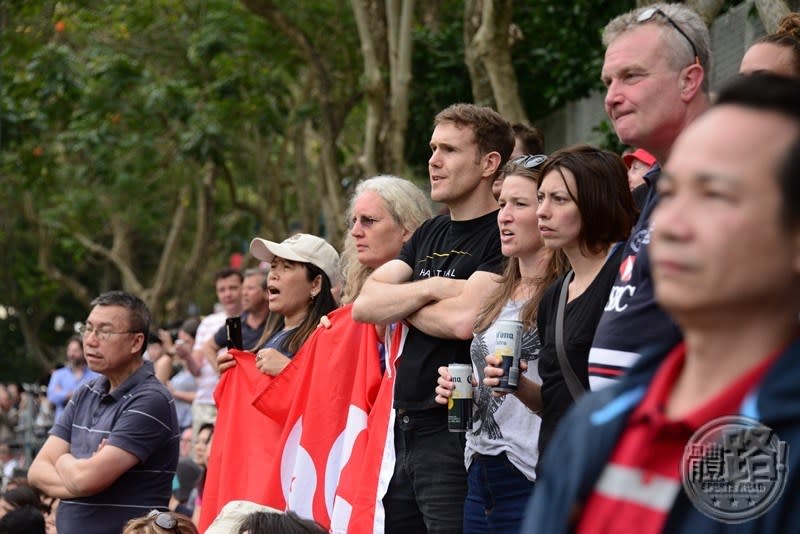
508	345
459	405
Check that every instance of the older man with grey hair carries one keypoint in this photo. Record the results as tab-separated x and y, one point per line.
656	74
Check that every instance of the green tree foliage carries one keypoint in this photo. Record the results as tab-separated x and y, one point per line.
117	119
141	143
557	57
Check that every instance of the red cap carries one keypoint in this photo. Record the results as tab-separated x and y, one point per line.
640	154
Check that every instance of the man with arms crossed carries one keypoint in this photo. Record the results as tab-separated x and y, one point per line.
112	455
655	72
436	285
726	266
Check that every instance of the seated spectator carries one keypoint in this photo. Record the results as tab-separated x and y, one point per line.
24	520
202	448
160	523
278	523
20	497
185	449
8	416
8	463
186	477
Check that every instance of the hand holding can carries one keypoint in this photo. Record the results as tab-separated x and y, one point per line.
459	405
508	346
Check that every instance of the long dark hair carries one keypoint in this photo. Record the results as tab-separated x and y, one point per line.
320	305
603	198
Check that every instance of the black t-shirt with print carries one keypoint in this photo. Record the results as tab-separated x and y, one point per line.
441	247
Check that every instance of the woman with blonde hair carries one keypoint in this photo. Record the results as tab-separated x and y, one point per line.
500	456
383	213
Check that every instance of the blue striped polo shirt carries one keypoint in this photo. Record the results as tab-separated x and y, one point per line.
138	417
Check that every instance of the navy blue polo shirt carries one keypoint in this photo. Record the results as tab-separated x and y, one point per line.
138	417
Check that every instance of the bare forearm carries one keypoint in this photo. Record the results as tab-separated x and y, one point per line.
445	319
185	396
192	362
458	303
46	479
210	354
74	474
384	303
530	394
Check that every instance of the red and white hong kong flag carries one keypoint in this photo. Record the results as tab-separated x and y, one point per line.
324	451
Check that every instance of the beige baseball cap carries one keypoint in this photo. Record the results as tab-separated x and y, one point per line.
305	248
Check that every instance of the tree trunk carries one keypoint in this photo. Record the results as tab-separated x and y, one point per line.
204	221
771	12
707	9
482	93
329	121
374	87
400	17
491	43
155	295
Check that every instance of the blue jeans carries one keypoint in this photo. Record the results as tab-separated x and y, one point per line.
497	495
429	485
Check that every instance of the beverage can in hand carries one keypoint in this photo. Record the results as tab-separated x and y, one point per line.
508	346
459	405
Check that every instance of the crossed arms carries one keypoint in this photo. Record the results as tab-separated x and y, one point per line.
439	306
58	473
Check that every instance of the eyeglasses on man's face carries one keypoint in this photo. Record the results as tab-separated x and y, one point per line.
649	13
101	333
529	161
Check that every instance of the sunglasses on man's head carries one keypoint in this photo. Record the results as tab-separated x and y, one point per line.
649	13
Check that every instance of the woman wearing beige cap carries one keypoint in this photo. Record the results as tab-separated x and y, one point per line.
299	293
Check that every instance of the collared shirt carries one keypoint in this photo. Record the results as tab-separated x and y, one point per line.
138	417
64	383
637	488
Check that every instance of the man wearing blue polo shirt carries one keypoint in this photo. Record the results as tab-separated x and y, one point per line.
113	453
